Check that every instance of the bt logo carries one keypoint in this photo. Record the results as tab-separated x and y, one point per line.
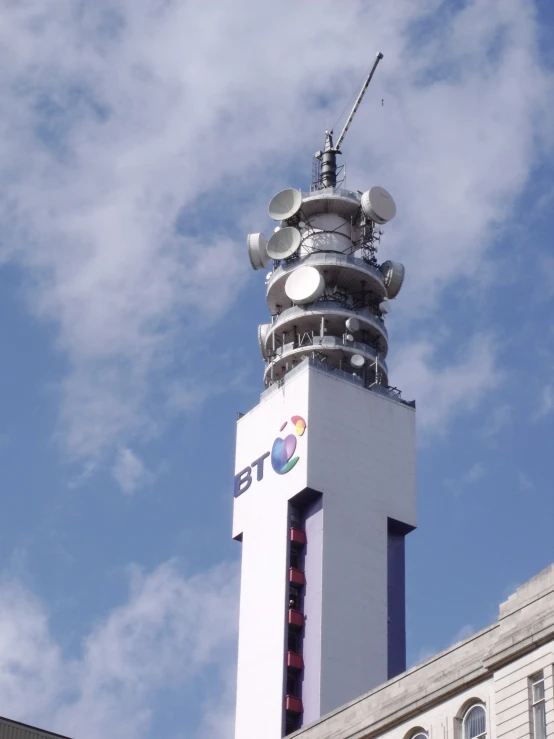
282	457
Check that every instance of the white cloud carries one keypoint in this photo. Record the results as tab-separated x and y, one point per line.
218	720
30	661
124	118
498	419
475	473
470	477
169	631
443	391
525	483
546	403
129	471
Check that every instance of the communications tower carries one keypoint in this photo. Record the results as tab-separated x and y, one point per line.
325	463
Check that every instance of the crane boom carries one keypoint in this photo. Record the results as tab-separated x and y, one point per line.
358	101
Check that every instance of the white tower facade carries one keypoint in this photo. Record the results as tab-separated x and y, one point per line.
325	465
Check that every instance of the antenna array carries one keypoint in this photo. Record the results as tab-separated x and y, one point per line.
327	294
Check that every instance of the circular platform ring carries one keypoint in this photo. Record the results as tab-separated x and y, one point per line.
284	243
277	368
285	204
348	273
378	205
307	319
321	201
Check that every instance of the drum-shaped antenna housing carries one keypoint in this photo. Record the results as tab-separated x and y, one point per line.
356	360
304	285
285	204
393	272
284	243
263	331
257	250
378	205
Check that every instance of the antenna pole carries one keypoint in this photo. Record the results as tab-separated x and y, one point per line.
329	162
358	101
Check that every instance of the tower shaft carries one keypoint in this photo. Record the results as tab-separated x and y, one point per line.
325	463
322	581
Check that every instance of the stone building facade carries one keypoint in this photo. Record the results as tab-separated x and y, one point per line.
498	684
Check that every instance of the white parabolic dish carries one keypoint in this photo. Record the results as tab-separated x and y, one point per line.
356	360
304	285
285	204
284	243
393	272
257	253
378	205
352	324
263	331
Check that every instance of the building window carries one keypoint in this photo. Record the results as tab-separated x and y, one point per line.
295	517
475	723
538	708
416	732
295	559
294	597
291	724
292	685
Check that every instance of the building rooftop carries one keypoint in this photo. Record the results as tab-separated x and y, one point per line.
16	730
526	621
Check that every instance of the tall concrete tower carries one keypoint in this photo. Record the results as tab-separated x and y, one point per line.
325	464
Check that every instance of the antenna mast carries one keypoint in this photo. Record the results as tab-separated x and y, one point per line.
328	157
358	101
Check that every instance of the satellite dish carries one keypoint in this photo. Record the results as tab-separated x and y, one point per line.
285	204
356	360
378	205
301	224
284	243
349	337
393	272
384	306
352	324
263	331
304	285
257	250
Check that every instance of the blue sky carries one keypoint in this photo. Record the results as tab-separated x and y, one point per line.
140	142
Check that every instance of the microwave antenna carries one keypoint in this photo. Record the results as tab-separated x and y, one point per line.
328	157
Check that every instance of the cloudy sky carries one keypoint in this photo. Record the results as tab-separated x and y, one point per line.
140	140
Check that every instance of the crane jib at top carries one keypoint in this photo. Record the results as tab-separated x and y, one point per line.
358	101
328	157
